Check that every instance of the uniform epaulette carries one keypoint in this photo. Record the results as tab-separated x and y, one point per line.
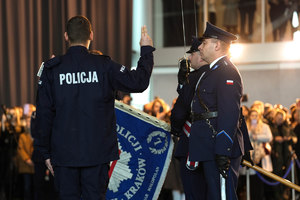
52	62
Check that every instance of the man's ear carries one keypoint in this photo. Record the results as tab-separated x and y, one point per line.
218	45
66	36
91	35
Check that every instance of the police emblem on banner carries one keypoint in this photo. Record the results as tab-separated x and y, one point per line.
145	149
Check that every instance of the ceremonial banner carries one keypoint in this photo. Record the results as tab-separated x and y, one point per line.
145	148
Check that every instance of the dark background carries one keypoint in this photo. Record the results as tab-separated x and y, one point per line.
32	30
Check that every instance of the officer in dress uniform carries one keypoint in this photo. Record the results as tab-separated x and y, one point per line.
76	124
193	181
216	140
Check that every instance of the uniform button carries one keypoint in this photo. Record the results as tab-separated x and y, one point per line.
204	90
228	149
213	136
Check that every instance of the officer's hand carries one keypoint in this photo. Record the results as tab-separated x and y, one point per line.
223	164
247	157
49	166
183	73
145	38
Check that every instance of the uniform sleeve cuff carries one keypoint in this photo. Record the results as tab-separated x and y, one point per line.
223	144
46	156
146	49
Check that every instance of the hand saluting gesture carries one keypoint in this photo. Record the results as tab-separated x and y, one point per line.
145	38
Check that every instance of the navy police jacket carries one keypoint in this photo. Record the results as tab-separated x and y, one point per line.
221	90
76	123
182	109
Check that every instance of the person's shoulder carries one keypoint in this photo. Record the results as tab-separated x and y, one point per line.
200	70
47	66
53	62
228	67
227	62
100	58
194	76
98	54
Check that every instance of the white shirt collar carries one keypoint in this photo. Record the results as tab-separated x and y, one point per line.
215	61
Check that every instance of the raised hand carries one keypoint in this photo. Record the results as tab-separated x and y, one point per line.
145	38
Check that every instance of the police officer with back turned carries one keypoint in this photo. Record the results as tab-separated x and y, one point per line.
76	124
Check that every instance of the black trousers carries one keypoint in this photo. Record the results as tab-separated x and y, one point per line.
193	182
204	182
86	183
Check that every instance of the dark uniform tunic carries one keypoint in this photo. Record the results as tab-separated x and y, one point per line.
193	181
75	105
220	90
76	123
217	127
182	110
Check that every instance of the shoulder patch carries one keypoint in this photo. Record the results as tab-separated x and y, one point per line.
122	69
52	62
39	74
229	82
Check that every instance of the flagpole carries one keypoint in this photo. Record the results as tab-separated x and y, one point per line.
271	175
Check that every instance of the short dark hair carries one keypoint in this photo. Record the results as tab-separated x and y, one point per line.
78	29
225	46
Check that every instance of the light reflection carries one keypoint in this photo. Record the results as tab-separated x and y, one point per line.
292	49
236	51
295	20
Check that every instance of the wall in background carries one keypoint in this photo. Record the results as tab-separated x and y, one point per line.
270	74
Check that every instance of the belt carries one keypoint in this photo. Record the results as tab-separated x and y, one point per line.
203	116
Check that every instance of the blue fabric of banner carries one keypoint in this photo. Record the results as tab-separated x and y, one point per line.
145	150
